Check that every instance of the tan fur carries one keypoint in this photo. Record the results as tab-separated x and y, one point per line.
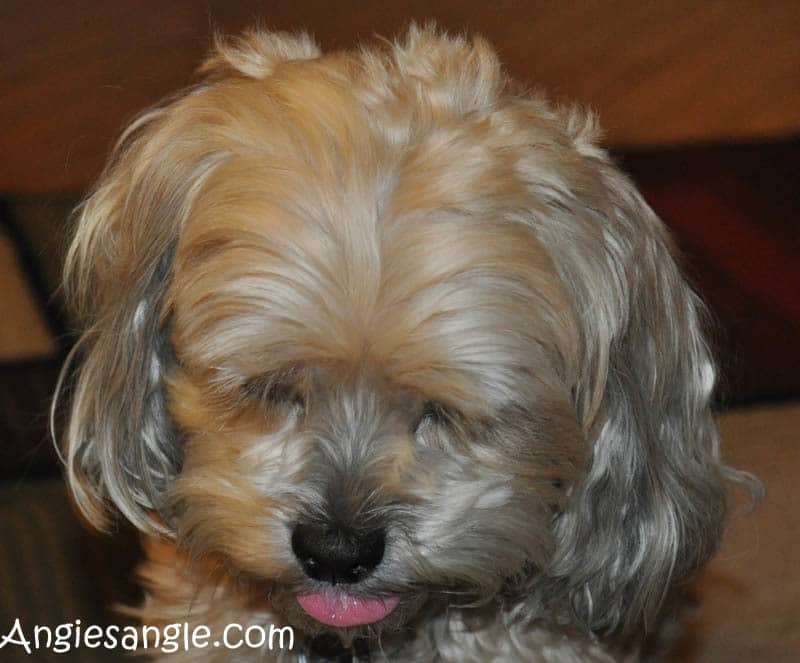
287	268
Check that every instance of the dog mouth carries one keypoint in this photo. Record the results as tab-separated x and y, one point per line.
343	609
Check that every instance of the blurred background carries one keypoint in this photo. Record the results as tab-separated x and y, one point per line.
701	105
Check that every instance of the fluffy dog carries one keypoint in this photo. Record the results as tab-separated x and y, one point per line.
378	345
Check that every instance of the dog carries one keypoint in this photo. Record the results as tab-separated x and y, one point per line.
382	346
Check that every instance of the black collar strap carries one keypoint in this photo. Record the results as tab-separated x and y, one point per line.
329	649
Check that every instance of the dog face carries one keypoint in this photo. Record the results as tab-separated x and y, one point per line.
383	332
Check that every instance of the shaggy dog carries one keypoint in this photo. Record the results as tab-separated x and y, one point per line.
378	345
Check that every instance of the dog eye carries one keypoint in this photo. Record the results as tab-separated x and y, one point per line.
274	392
433	414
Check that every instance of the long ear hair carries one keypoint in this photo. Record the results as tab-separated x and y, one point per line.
120	446
651	507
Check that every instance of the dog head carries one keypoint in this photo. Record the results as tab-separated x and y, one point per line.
380	328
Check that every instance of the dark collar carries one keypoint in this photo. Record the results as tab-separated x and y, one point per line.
329	649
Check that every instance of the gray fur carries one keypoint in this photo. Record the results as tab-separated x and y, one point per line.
268	290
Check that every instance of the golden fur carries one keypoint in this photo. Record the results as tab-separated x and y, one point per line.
391	287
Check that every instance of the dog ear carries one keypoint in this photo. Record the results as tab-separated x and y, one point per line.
118	442
651	506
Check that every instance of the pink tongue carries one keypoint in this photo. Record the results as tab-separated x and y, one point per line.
346	610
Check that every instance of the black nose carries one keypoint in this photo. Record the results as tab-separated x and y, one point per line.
336	554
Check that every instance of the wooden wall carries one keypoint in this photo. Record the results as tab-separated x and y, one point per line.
660	73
